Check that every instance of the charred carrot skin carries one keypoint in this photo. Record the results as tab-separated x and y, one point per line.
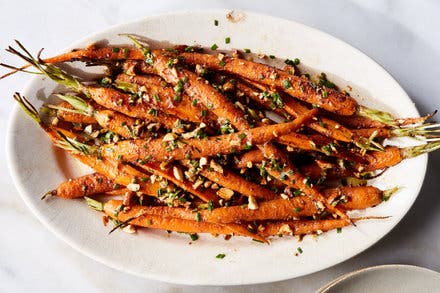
301	88
84	186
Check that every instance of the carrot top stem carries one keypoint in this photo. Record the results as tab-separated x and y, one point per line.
386	194
28	108
51	71
380	116
414	151
428	130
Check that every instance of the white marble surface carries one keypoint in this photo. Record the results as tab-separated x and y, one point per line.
403	36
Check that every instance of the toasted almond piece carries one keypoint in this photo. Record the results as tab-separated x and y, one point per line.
169	137
216	166
253	204
178	174
225	193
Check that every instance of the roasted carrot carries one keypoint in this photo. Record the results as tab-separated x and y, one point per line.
176	175
167	99
64	114
169	147
249	158
300	227
288	105
295	86
233	181
137	216
107	97
196	88
83	186
125	126
348	198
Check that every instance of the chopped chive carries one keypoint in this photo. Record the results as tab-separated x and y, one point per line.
194	102
297	209
247	50
227	40
203	113
216	22
296	61
94	204
241	136
220	255
115	50
339	230
198	217
272	56
287	84
194	237
214	47
222	63
210	205
299	250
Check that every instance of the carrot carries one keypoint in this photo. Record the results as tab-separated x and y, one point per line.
318	170
136	216
324	126
299	87
64	114
237	183
176	176
286	172
121	173
159	150
249	158
167	99
124	103
320	144
300	227
348	198
196	88
108	97
83	186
